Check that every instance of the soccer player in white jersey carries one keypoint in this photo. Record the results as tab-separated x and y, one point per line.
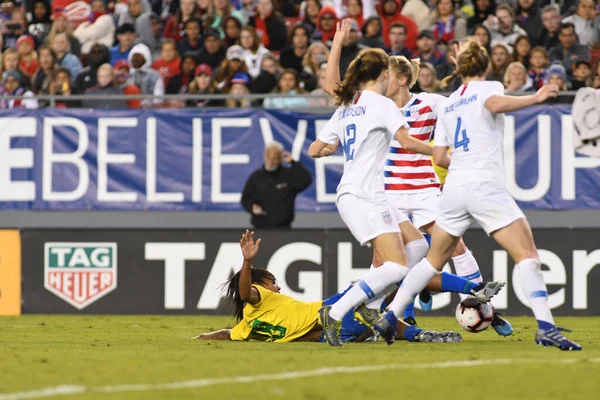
471	122
364	123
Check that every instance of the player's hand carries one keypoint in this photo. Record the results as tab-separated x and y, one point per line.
248	246
546	91
258	210
342	32
287	157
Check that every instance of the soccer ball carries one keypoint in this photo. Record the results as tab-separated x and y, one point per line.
474	316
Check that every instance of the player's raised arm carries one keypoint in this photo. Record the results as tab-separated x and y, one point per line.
410	143
332	73
249	250
502	103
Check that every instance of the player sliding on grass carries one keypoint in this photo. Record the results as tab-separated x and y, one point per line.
265	314
471	121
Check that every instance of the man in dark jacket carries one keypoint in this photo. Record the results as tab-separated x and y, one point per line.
568	50
214	52
270	192
87	78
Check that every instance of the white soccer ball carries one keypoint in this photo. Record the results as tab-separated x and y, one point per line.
473	315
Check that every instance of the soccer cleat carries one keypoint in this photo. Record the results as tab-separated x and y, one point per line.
501	326
387	326
553	337
425	300
411	321
331	327
485	291
439	337
365	315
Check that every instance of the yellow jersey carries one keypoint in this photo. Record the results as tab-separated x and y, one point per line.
441	172
276	318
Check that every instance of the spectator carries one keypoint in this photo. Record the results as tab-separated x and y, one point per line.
10	62
106	87
355	11
252	50
60	85
350	48
287	86
582	74
144	77
427	80
558	76
99	29
28	63
447	23
139	14
13	29
213	53
482	10
270	192
587	23
238	86
502	26
516	79
11	86
371	33
232	28
448	68
316	56
6	9
157	35
179	83
551	20
40	24
397	37
564	7
326	21
291	57
169	62
232	65
426	49
174	28
312	11
596	80
61	25
391	14
87	78
289	8
321	97
483	36
121	71
61	46
529	18
222	9
266	81
538	62
47	66
126	37
203	84
270	26
500	59
567	49
193	39
248	8
521	50
418	11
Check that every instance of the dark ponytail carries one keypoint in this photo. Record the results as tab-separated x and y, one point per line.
232	289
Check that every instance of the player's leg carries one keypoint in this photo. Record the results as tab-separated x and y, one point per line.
517	240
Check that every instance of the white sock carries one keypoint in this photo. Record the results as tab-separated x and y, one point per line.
466	266
534	287
415	251
373	283
418	277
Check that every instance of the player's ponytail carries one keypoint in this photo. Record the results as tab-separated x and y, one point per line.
367	66
405	68
232	289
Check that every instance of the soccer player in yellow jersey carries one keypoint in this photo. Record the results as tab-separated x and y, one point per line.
265	314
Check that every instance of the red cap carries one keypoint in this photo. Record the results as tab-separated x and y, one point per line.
203	69
25	39
122	64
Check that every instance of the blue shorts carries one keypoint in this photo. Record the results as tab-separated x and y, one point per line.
351	329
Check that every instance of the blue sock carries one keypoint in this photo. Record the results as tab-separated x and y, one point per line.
543	325
409	311
411	332
456	284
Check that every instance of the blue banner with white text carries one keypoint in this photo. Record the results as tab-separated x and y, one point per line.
191	159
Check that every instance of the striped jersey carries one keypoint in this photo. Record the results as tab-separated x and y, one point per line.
407	172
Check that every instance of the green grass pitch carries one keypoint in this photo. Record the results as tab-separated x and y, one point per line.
152	357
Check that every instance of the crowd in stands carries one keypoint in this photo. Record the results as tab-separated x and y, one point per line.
99	47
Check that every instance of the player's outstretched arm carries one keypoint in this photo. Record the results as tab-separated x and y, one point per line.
249	250
410	143
319	149
502	103
441	157
223	334
332	73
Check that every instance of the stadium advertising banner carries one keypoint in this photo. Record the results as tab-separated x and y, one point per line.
200	159
181	271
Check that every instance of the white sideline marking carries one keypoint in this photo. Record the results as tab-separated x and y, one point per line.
66	390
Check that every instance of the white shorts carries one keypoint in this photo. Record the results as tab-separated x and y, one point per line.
422	207
491	206
368	219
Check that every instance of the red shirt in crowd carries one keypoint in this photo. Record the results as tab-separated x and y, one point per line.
173	30
28	68
167	69
411	27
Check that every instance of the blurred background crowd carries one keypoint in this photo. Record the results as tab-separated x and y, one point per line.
104	48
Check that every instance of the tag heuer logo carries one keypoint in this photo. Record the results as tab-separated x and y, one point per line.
80	273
